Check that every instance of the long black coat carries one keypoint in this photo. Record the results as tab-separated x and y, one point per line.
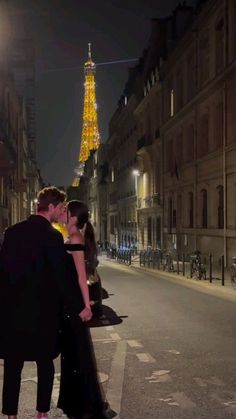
33	290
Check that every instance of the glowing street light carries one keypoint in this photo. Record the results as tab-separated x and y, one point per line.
136	172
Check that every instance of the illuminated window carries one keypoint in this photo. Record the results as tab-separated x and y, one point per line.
172	103
112	174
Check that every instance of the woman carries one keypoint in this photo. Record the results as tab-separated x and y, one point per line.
91	262
80	393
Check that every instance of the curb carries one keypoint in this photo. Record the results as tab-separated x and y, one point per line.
224	292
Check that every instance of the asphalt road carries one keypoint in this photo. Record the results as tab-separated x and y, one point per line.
164	349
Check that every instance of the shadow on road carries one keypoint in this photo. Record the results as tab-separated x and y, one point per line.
108	318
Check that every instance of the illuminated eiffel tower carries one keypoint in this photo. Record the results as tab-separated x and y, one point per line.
90	139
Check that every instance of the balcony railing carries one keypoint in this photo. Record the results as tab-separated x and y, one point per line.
149	201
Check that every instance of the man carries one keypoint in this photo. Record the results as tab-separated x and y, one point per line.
33	289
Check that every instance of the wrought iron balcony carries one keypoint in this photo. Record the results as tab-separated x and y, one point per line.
149	202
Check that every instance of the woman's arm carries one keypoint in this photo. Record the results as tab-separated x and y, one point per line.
79	261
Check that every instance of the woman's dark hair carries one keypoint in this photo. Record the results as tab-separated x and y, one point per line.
90	248
80	210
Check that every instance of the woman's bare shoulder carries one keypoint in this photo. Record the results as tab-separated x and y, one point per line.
77	238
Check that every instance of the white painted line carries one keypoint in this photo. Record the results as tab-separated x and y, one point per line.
134	344
55	392
109	328
25	380
174	351
104	340
161	376
143	357
183	400
56	388
115	336
115	383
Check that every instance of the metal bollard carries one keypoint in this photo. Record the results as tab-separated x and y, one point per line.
183	262
210	268
177	264
222	270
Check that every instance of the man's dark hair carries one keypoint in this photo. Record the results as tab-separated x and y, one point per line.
50	195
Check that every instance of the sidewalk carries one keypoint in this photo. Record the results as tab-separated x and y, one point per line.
214	288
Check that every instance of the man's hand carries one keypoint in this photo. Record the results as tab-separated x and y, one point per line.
86	314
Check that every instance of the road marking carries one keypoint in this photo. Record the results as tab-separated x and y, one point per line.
161	376
183	400
115	383
143	357
203	382
56	388
134	344
115	336
173	351
109	328
34	379
105	340
231	403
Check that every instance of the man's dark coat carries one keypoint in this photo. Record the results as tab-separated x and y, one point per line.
33	290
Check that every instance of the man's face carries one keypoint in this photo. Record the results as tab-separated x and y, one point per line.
56	212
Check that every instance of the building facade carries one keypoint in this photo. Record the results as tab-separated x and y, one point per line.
171	151
19	176
198	135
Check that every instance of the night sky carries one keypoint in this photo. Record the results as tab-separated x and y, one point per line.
118	30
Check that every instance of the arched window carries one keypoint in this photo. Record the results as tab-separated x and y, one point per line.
220	190
204	207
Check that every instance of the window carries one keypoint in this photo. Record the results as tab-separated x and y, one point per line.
149	232
170	217
174	218
204	57
172	102
219	42
179	90
112	225
204	208
179	148
219	125
202	145
169	154
220	190
191	80
112	174
188	149
190	205
158	232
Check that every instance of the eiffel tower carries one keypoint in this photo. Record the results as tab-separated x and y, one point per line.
90	138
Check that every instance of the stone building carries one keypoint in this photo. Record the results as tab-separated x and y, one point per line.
19	176
171	151
198	135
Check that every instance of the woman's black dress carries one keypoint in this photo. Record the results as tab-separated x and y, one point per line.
80	393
